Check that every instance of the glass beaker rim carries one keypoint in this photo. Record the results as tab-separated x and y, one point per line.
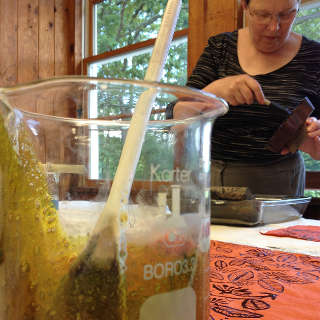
173	89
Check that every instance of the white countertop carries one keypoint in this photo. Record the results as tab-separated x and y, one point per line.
251	236
74	215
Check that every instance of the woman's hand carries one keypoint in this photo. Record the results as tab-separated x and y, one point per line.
188	109
311	142
236	90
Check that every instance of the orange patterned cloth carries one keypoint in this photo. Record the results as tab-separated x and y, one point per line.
255	283
311	233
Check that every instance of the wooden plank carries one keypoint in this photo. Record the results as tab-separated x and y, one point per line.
221	17
196	37
61	67
78	37
46	39
64	38
64	65
46	51
207	18
28	46
71	33
89	35
9	43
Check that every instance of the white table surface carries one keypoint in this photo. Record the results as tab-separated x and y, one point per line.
84	210
251	236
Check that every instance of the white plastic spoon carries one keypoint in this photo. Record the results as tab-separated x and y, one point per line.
99	268
107	228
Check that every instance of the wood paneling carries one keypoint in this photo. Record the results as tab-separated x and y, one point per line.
39	39
197	34
64	37
46	39
28	45
207	18
46	49
78	46
9	42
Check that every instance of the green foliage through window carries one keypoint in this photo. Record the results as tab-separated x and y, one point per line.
124	22
118	24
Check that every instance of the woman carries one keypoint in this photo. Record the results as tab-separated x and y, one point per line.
264	60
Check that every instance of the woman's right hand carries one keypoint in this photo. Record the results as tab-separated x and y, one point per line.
236	90
186	109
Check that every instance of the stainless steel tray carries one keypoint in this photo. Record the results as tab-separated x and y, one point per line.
260	210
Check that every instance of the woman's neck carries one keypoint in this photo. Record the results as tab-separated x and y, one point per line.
254	61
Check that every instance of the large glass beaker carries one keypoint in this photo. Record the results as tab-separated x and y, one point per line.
55	177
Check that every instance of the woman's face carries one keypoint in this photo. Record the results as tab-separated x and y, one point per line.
270	22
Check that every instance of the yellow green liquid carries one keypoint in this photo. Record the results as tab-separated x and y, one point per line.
35	251
39	260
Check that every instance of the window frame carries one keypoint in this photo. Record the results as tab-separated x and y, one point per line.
117	52
201	26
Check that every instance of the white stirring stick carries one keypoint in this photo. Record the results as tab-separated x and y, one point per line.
107	228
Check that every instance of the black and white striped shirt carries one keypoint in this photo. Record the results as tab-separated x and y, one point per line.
242	134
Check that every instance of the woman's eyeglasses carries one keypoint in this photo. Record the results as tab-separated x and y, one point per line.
264	17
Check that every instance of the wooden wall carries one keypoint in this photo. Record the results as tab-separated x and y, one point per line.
207	18
39	39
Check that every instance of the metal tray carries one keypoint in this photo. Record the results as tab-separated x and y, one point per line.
260	210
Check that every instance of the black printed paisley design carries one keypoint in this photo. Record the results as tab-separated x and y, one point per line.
245	282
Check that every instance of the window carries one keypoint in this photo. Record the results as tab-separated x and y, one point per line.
121	37
124	53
